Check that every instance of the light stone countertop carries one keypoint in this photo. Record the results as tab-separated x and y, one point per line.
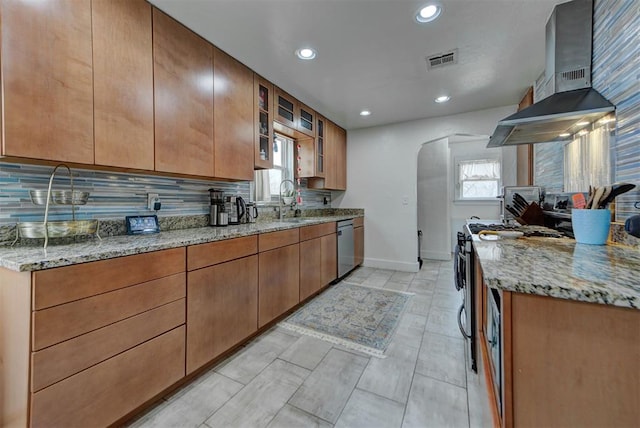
31	258
561	268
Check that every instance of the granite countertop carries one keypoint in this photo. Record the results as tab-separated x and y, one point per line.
561	268
30	258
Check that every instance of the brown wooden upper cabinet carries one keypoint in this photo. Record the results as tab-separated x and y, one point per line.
263	122
183	72
47	78
285	108
123	83
233	118
306	120
340	138
334	158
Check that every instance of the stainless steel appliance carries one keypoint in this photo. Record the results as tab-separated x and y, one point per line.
568	96
346	254
252	212
465	281
494	339
217	212
529	193
236	207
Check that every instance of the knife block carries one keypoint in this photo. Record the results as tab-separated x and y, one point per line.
533	215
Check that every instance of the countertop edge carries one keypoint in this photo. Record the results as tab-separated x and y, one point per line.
36	258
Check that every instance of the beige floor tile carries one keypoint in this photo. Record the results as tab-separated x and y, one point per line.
443	321
326	391
433	403
447	300
261	400
390	377
410	330
422	286
405	277
251	360
191	407
366	410
291	417
442	357
396	286
420	304
306	352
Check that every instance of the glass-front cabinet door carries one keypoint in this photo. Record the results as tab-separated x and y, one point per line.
320	146
263	116
285	108
306	120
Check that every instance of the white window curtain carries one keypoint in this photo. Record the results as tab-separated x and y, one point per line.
587	161
478	178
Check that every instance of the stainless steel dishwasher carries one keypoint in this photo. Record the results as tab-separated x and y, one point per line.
346	259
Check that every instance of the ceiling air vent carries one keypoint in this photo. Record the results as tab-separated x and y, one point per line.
442	59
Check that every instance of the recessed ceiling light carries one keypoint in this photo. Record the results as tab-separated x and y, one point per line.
306	53
428	13
365	113
443	99
582	123
564	135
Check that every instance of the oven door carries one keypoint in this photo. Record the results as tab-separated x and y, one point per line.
464	260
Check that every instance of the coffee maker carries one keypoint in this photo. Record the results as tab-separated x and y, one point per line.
218	215
237	209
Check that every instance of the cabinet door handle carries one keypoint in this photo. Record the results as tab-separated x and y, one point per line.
464	333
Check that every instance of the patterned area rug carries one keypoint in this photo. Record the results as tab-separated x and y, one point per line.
354	316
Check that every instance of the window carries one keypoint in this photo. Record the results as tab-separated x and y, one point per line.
267	181
478	179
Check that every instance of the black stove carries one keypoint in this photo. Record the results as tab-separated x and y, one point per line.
528	230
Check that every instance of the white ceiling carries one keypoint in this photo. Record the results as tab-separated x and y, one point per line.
371	53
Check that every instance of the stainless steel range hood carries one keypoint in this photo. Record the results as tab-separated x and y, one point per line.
568	78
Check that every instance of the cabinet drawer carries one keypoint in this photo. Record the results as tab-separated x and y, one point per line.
358	222
53	325
65	284
271	240
57	362
199	256
317	230
222	305
104	393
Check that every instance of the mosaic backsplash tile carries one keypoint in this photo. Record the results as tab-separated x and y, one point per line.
616	75
116	195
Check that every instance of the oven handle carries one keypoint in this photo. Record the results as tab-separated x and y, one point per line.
464	333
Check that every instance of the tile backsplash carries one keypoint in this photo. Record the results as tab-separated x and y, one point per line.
615	75
114	195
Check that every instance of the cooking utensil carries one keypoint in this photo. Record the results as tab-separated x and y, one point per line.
512	211
618	189
500	234
522	202
596	198
590	197
605	195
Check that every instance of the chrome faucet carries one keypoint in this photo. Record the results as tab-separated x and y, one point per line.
280	204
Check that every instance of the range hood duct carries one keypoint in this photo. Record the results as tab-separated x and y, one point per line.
568	79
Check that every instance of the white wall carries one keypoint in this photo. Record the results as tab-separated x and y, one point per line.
382	171
433	200
489	210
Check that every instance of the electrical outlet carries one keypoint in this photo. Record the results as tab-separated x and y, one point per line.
405	200
152	200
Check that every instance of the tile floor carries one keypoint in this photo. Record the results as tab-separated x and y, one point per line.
283	379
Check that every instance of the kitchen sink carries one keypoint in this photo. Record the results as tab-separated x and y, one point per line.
296	220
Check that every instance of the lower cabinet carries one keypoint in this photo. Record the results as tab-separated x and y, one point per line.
222	302
278	283
102	394
318	258
328	258
106	337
